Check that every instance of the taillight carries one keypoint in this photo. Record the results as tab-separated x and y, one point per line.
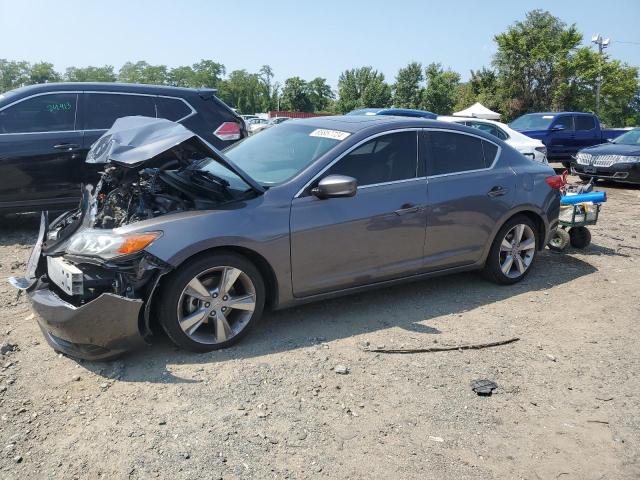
557	181
228	131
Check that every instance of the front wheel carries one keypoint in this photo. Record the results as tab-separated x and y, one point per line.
211	302
512	252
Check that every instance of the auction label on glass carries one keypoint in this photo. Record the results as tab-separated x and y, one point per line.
326	133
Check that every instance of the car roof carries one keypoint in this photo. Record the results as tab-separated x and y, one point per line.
559	113
111	87
361	123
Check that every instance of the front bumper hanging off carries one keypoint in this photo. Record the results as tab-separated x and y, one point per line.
102	328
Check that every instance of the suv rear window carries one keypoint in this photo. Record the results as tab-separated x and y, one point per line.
172	109
44	113
102	109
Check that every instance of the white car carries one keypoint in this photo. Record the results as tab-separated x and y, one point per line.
529	147
256	125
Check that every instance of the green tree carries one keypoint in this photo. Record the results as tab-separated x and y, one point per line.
532	62
242	90
43	72
208	74
619	90
182	76
407	91
295	95
362	87
90	74
440	94
142	72
482	87
13	74
320	94
266	77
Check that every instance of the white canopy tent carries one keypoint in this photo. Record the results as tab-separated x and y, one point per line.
477	110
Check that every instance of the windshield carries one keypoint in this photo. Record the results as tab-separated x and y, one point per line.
277	154
630	138
532	121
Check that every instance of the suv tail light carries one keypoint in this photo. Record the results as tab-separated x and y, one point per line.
557	181
228	131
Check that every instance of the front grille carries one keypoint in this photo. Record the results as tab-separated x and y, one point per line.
599	160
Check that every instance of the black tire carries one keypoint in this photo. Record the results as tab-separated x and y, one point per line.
580	237
492	269
567	165
584	178
175	283
559	241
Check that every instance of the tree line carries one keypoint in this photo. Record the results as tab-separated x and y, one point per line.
539	65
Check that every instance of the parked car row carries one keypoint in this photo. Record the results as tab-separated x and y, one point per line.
564	133
256	125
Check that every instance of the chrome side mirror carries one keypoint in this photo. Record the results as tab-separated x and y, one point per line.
335	186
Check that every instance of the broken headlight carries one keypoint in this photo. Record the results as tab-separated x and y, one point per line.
108	244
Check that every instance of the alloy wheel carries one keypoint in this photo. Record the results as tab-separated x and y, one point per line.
517	250
216	305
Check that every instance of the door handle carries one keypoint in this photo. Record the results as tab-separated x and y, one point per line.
407	208
497	191
69	147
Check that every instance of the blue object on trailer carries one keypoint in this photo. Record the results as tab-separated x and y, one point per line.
595	197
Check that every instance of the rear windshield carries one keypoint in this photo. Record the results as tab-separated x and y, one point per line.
281	152
532	121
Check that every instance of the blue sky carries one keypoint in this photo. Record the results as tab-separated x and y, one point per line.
308	39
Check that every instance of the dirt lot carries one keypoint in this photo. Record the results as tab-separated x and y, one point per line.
567	406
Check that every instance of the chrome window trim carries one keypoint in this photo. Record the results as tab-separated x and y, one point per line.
360	143
495	160
391	182
75	114
78	92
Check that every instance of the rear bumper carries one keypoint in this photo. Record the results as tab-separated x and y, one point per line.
101	329
620	172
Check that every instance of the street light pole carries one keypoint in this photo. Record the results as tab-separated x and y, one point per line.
602	44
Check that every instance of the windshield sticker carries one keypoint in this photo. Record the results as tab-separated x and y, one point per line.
332	134
547	116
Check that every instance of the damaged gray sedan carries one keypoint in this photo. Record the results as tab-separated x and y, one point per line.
178	235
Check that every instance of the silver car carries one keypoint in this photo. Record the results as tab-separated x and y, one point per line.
201	241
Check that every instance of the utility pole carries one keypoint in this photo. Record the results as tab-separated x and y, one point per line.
602	44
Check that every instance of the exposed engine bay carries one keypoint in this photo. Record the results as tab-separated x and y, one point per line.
127	195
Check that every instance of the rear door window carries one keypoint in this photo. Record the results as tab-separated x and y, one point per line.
172	109
55	112
585	122
449	152
102	109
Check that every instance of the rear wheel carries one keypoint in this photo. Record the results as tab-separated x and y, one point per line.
212	302
512	252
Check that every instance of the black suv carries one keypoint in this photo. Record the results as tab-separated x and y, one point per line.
46	131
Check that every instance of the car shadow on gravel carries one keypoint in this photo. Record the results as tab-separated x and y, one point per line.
409	306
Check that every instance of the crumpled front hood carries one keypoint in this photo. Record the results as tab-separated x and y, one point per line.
131	141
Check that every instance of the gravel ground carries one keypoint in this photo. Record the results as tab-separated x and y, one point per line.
276	406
